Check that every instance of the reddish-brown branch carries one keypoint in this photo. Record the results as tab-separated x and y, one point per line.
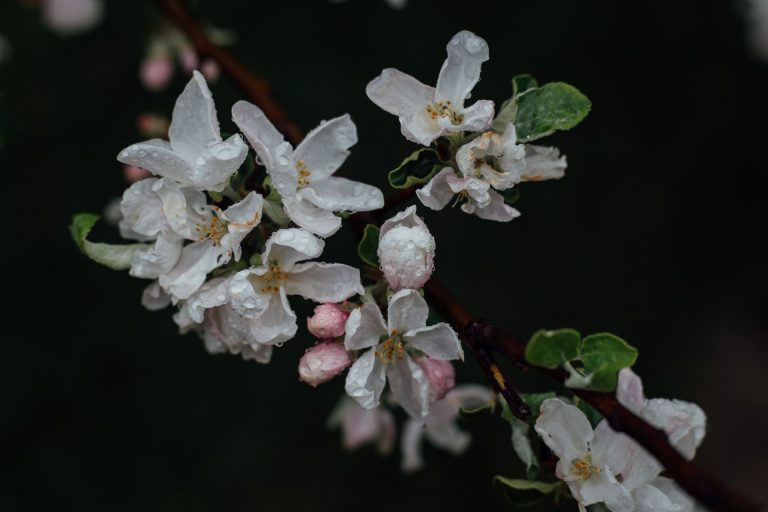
482	338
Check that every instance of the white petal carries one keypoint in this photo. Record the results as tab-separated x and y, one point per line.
215	164
245	292
623	456
154	298
543	163
326	147
564	428
365	380
242	217
324	282
410	445
629	391
410	386
476	118
260	132
142	211
675	494
277	323
407	311
406	218
315	220
448	436
469	396
398	93
649	498
461	70
437	341
603	487
197	259
159	158
340	194
193	122
160	258
365	327
436	194
286	247
684	422
184	208
257	352
210	295
422	129
497	209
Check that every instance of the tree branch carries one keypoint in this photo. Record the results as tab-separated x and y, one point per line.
481	337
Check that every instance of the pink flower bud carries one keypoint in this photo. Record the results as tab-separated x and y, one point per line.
406	251
132	174
328	321
188	59
323	362
72	16
156	72
440	374
210	70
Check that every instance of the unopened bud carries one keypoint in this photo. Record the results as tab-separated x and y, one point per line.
156	72
440	374
406	251
323	362
328	321
210	70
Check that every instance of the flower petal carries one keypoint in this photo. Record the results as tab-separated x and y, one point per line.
436	194
245	292
324	282
410	386
315	220
603	487
154	298
448	436
564	428
326	147
674	493
407	311
406	218
259	131
158	157
399	93
422	129
476	118
649	498
629	391
286	247
193	123
365	380
623	456
242	217
365	327
211	294
497	209
684	422
277	323
410	445
196	260
543	163
437	341
461	70
184	208
216	163
340	194
160	258
142	212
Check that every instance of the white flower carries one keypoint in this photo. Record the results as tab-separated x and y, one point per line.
406	250
425	112
684	422
487	164
158	209
388	356
361	426
222	328
261	293
196	156
441	427
303	177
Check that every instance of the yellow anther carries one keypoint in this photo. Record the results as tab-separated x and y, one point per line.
214	229
391	350
583	468
445	110
304	173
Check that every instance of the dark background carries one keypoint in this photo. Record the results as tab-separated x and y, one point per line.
656	233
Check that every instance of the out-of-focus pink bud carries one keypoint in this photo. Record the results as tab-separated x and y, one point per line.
188	59
132	174
210	70
156	72
323	362
406	251
328	321
440	374
72	16
152	125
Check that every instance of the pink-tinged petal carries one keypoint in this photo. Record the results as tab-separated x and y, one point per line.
684	422
156	72
436	194
410	387
365	380
312	218
323	362
326	147
398	93
407	311
438	341
361	426
461	70
629	391
365	327
448	436
324	282
328	321
497	210
441	376
564	429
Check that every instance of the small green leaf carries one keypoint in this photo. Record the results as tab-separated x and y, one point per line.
521	83
116	257
543	110
511	195
534	400
550	349
416	169
525	492
603	355
590	412
368	247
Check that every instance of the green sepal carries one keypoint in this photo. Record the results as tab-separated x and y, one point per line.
416	169
230	268
216	197
255	260
511	195
603	355
368	247
273	205
551	349
116	257
508	110
522	83
525	493
542	111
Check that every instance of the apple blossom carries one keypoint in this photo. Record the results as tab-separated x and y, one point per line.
406	250
303	176
196	155
261	293
440	426
425	112
328	321
323	362
361	426
388	357
440	374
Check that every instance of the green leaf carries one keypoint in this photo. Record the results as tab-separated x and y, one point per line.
550	349
521	83
116	257
525	492
508	110
416	169
590	412
534	400
603	355
543	110
368	247
511	195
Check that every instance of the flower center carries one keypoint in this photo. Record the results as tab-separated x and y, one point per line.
583	468
304	172
391	350
445	110
273	279
214	229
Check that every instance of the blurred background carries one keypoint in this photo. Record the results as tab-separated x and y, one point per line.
657	233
